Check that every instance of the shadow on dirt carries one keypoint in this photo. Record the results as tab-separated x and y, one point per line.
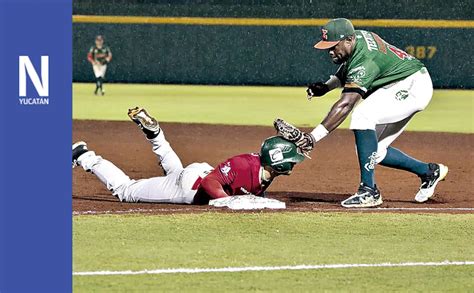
302	197
95	198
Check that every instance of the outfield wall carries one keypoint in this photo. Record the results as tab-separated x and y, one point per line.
272	49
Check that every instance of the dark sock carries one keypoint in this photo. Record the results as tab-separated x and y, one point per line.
100	82
366	143
399	160
97	84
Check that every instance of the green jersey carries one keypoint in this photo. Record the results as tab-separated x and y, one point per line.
375	63
99	54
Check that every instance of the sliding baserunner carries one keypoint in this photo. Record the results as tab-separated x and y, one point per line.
197	183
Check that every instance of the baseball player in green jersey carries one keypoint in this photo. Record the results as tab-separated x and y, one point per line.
99	56
392	87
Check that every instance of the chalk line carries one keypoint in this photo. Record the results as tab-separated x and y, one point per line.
171	210
272	268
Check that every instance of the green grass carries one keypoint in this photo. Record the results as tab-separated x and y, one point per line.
138	242
449	111
272	239
425	279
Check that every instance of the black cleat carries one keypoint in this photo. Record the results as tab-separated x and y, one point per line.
429	181
365	197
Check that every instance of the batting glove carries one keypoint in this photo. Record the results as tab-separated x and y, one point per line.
317	89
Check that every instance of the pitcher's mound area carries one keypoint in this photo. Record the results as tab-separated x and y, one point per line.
317	184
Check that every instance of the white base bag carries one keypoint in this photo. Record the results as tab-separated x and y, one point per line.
247	202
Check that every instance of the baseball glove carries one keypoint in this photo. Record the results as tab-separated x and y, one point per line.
304	141
287	131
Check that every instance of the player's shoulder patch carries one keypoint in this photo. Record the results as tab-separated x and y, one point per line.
355	76
225	168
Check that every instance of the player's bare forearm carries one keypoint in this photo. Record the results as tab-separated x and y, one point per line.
340	110
213	188
333	82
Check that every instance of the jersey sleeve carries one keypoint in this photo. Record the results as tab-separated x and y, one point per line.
360	77
225	174
212	186
90	55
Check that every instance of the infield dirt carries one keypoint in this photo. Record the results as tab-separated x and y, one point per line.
317	184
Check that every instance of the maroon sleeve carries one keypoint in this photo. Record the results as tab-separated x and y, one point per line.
89	57
219	180
212	186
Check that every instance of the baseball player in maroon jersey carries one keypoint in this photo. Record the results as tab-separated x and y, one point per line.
194	184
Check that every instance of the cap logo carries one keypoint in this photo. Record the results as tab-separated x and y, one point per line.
325	34
275	155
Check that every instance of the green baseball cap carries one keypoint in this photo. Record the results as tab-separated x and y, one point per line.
333	32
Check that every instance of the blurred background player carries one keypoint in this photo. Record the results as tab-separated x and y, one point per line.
197	183
99	55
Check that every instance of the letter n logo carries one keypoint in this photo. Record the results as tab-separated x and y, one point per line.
41	85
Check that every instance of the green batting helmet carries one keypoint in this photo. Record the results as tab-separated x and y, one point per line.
280	154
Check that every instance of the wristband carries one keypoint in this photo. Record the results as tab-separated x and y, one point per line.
319	132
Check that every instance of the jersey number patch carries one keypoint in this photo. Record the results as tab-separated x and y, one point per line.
400	54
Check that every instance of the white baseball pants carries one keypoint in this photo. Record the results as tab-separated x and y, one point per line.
177	186
389	109
99	70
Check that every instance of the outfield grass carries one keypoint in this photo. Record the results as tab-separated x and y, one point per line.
449	111
272	239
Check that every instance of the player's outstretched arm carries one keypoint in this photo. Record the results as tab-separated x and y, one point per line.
340	110
306	141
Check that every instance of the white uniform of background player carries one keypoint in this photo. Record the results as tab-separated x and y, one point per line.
99	70
99	56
